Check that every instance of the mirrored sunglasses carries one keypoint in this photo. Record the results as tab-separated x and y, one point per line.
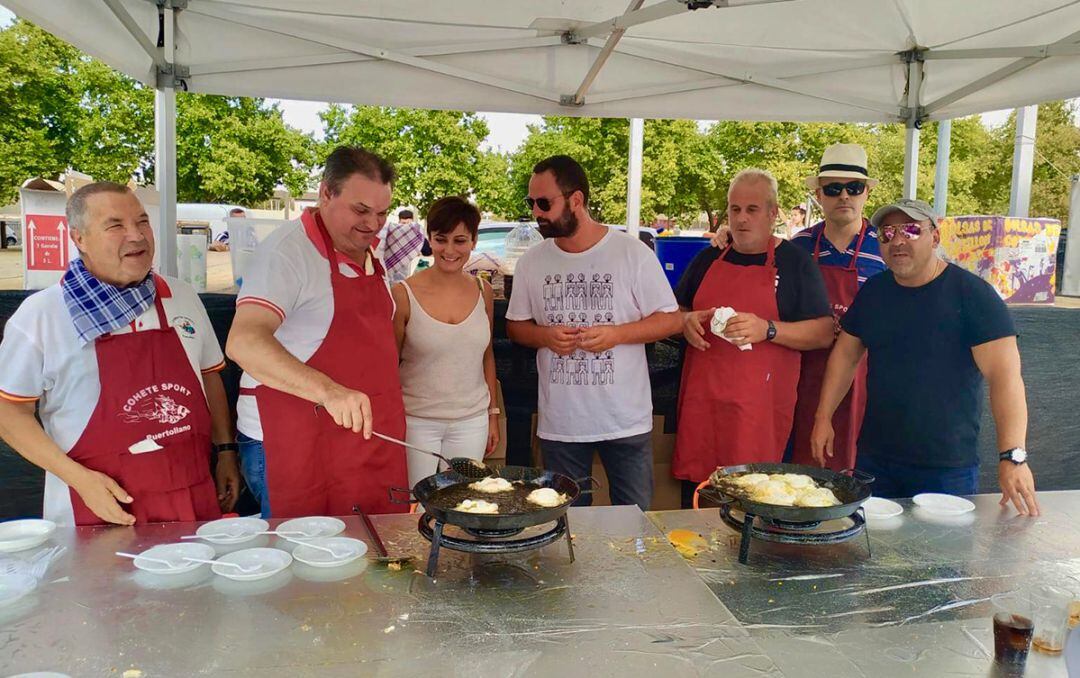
911	231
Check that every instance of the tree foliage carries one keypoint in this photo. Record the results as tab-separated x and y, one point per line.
436	153
61	109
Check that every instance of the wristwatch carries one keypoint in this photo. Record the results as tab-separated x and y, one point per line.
226	447
770	333
1016	455
494	410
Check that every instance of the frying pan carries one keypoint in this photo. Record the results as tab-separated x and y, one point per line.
851	487
428	492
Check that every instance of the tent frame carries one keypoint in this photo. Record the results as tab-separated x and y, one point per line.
606	36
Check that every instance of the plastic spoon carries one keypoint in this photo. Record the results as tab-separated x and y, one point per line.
244	570
339	556
221	535
172	565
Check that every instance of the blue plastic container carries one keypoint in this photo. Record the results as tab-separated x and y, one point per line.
675	254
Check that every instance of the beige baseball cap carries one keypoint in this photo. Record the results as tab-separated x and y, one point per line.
919	210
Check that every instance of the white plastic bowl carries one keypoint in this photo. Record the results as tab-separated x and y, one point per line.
19	535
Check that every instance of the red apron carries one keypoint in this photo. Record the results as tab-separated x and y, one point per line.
148	390
841	285
735	407
314	466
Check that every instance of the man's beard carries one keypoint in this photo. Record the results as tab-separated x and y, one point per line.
563	227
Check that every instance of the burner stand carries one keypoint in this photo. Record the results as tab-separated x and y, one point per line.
488	541
781	532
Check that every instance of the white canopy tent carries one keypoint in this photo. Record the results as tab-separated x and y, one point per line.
842	60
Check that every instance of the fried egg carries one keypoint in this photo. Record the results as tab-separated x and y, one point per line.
546	497
491	485
477	506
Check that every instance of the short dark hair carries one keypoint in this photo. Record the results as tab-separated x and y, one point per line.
237	210
569	175
446	213
76	205
345	161
405	214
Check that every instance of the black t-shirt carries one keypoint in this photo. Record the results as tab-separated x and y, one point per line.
800	291
925	390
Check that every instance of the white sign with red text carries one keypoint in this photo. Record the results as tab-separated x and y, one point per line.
47	246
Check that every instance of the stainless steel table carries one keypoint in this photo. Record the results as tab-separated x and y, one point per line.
629	606
918	606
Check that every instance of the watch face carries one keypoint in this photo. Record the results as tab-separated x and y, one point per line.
1019	455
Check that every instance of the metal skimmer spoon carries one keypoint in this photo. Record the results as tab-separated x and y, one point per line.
462	465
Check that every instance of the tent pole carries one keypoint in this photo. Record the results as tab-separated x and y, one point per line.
941	172
913	120
633	193
1070	276
1023	161
165	150
911	161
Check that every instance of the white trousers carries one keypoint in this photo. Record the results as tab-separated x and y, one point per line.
451	438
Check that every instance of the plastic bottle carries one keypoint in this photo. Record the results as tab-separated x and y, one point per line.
522	237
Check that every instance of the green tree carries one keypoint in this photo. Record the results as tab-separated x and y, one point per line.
1057	158
599	144
436	153
61	109
493	191
237	150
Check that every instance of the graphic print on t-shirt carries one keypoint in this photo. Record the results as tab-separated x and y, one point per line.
576	301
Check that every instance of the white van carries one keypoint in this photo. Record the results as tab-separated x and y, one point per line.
213	214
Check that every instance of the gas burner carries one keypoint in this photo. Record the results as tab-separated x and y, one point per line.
493	534
488	541
785	526
781	532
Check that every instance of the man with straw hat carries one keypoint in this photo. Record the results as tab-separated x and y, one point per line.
845	247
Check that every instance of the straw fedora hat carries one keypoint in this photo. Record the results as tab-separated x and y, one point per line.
842	161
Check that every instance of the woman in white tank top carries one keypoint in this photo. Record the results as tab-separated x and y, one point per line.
443	325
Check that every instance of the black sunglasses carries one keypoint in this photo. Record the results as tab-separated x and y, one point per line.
852	188
543	203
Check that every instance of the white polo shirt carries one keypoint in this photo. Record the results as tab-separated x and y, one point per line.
45	361
289	275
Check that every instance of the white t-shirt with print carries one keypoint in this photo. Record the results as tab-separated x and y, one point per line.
289	276
586	397
45	361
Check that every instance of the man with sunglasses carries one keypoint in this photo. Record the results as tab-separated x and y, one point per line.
933	333
612	412
845	248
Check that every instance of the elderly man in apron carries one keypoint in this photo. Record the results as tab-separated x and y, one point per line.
122	367
738	390
314	333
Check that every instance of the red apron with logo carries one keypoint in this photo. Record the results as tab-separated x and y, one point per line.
841	285
735	407
149	390
314	466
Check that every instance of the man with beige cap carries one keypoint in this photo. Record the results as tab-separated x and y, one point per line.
933	332
845	248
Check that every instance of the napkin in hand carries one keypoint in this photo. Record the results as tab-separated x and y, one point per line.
719	322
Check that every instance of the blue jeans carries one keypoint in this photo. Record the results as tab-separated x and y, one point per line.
897	479
628	463
253	468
